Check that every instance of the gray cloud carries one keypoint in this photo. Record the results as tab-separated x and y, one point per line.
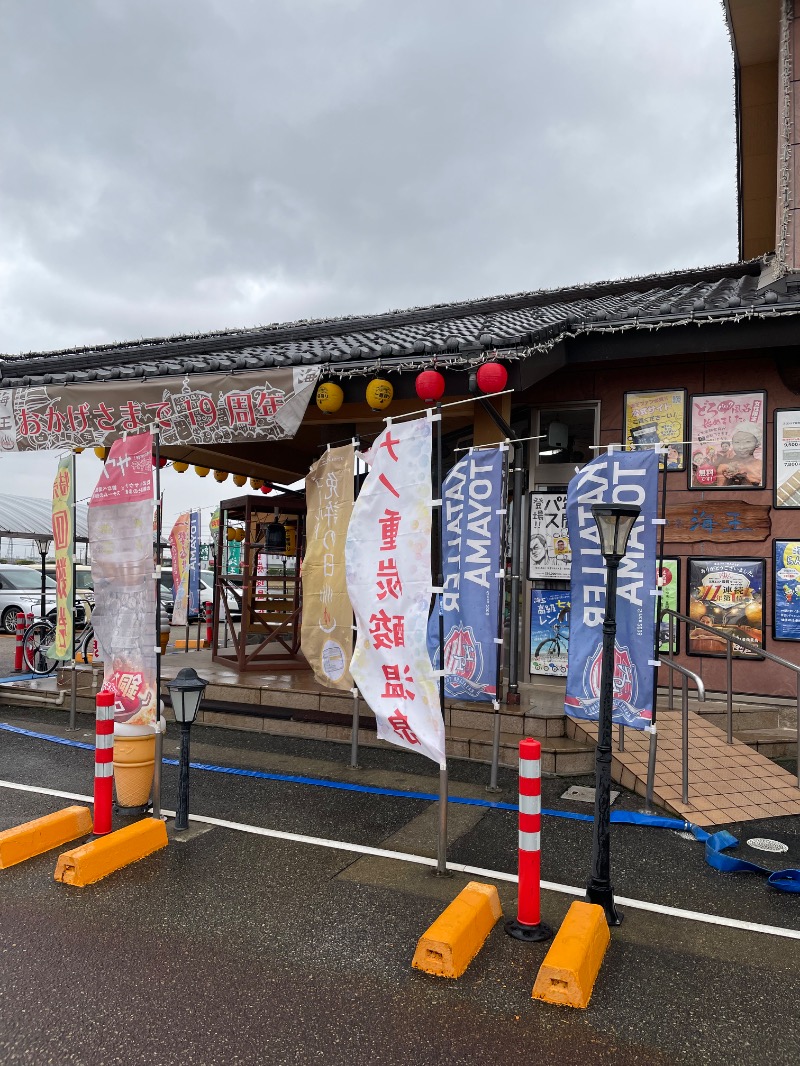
208	163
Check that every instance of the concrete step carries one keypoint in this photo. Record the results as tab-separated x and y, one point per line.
774	743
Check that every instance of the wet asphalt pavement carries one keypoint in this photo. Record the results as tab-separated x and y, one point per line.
237	949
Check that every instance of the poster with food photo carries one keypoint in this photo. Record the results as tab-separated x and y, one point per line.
657	417
727	595
727	440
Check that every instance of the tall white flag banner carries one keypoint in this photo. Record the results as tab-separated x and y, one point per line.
388	565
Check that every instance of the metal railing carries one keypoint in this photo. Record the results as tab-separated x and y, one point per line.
730	640
687	675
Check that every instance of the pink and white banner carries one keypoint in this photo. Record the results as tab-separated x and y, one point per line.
388	564
121	539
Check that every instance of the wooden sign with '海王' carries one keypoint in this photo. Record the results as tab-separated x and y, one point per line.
718	521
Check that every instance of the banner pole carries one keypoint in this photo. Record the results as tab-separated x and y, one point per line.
73	695
441	848
157	583
356	723
501	602
653	738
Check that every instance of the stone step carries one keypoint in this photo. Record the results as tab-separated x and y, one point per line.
774	743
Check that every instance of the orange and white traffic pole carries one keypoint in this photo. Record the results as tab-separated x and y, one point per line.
528	924
19	644
103	762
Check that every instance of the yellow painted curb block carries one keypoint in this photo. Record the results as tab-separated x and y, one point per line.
448	947
93	861
571	966
22	842
193	643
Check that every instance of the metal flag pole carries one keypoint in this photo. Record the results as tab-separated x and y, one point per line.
354	690
73	694
653	740
501	575
157	583
441	844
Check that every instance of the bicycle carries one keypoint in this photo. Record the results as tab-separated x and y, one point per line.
40	637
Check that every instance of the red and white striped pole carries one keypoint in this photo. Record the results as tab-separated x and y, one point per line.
528	924
104	762
20	635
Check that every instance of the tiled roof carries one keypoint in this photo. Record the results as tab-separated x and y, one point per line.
457	333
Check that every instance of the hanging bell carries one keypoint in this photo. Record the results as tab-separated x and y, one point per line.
276	537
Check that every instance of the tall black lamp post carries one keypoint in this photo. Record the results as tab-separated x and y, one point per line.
43	542
186	692
614	522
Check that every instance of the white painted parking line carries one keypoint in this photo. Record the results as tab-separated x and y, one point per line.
455	867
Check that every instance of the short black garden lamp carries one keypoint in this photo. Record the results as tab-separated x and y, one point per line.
186	692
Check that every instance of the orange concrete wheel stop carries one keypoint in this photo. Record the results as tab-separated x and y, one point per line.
194	644
571	966
22	842
448	947
134	764
93	861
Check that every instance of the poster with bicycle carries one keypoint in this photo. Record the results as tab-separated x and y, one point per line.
549	631
549	555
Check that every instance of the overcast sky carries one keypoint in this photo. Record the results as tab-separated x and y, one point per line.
195	164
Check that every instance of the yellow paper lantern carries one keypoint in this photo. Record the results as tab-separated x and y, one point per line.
379	394
239	479
240	534
329	397
180	468
220	475
202	471
101	453
231	534
77	450
256	483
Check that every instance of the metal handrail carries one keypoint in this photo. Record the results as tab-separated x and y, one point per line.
730	639
687	675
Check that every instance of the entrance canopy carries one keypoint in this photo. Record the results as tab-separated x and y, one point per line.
23	519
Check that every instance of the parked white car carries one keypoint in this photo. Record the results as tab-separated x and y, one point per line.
21	590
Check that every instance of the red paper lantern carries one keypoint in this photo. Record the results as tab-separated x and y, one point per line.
429	386
266	489
162	462
492	377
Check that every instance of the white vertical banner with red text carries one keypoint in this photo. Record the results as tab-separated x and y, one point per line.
121	539
388	563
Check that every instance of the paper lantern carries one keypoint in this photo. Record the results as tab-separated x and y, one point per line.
256	483
379	394
266	489
220	475
329	397
239	479
202	471
101	453
240	534
180	468
77	450
231	534
162	462
429	386
492	377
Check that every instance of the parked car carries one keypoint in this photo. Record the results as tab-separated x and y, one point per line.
21	590
206	595
84	585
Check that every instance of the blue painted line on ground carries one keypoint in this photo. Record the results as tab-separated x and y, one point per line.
619	817
18	677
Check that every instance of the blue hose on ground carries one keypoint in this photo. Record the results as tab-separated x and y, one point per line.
716	843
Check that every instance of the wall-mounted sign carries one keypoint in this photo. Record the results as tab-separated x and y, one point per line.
549	555
786	589
727	435
726	594
549	631
669	572
657	417
787	458
714	520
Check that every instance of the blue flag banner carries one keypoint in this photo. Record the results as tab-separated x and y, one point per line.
472	498
194	564
623	478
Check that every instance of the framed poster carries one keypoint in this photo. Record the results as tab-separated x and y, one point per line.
670	571
728	595
786	589
727	435
787	458
658	416
549	631
549	555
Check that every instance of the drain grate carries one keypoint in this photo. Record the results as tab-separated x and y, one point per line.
765	844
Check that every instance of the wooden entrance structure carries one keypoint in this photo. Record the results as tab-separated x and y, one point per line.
268	588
